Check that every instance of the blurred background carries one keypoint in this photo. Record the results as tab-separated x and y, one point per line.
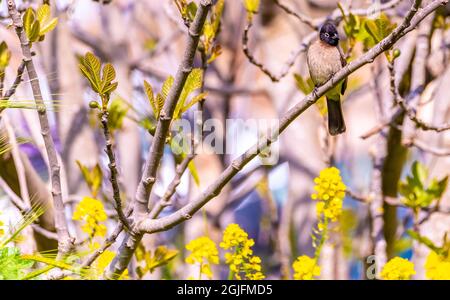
145	39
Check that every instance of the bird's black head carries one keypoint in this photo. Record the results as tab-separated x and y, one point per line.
329	34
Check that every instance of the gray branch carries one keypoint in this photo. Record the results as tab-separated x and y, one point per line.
65	242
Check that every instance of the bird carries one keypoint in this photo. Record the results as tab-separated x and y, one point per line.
325	58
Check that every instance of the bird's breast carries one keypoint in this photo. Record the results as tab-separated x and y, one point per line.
323	61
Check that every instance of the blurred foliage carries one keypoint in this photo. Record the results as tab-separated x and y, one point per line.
5	56
366	30
12	265
416	192
92	176
151	260
117	112
252	7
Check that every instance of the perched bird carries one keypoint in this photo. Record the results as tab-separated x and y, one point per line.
324	60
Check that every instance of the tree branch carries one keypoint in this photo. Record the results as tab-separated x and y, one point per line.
65	242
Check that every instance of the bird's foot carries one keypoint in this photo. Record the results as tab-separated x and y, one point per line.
315	91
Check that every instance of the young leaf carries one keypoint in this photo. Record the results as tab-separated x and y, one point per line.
193	82
161	97
33	34
28	20
191	10
5	56
150	96
46	23
90	67
109	74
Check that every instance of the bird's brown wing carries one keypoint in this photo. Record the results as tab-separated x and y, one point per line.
343	63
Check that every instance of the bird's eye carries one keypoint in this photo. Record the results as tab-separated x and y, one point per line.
326	34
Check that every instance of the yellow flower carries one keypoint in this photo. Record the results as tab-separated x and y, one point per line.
240	257
305	268
330	193
437	267
398	269
204	252
92	212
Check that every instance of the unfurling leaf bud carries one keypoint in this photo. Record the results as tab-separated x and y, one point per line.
396	53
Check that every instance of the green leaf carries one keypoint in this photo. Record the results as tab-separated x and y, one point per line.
191	10
33	34
109	74
44	16
43	13
5	56
110	88
193	82
151	98
28	20
193	101
90	67
161	96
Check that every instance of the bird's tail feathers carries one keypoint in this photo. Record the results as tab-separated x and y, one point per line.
336	123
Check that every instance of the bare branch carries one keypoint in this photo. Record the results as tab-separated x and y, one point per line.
113	168
65	242
17	81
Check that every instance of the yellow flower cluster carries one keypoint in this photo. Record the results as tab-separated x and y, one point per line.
241	260
92	212
398	269
204	252
330	193
305	268
437	267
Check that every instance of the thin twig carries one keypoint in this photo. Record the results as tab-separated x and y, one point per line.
113	168
166	198
427	148
12	90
